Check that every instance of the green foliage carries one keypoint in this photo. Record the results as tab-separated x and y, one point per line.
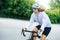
55	4
22	9
16	8
54	15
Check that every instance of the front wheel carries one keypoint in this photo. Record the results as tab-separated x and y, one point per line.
31	37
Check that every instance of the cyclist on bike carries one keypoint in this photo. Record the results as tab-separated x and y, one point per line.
42	18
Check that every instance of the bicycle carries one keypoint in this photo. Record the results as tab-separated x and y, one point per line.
32	32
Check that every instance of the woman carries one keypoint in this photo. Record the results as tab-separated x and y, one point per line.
42	18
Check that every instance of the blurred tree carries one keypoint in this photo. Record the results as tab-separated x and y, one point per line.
55	4
54	12
16	8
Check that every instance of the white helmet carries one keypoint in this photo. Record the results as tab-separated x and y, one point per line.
36	5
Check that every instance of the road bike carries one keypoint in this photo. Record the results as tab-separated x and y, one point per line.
32	34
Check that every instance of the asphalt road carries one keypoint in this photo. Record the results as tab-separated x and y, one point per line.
10	29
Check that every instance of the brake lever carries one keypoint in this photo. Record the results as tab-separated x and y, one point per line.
23	32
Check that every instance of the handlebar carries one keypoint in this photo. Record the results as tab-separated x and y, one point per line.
23	32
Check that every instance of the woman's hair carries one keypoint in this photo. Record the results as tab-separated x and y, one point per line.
41	9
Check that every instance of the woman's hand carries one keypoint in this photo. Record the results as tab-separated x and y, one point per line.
24	29
35	29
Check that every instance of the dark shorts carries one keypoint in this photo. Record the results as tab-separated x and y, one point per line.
46	30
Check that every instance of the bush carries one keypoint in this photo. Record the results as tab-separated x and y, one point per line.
21	9
54	15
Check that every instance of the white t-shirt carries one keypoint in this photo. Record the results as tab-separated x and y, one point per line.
42	18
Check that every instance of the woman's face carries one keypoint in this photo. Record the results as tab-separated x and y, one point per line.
35	10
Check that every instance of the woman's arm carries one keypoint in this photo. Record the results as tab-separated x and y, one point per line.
30	22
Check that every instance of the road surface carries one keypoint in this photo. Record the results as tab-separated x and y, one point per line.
10	29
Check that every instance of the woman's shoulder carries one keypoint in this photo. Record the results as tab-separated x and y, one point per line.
44	14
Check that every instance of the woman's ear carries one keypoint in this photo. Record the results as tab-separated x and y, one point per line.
41	9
